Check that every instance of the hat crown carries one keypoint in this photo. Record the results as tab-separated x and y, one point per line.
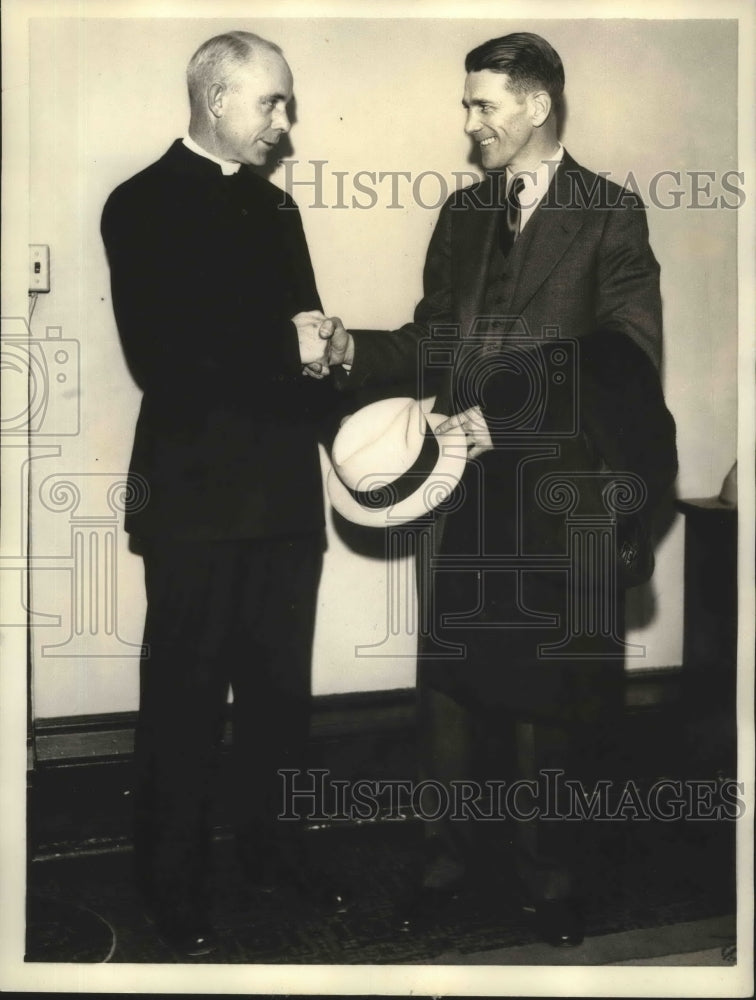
390	464
379	443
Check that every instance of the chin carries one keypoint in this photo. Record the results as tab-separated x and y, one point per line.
491	162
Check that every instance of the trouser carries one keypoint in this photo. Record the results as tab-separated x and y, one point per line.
219	613
552	853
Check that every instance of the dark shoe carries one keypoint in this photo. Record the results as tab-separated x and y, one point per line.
427	906
187	933
264	866
321	891
440	883
259	876
188	941
269	874
560	922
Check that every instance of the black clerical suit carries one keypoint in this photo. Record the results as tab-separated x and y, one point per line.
207	271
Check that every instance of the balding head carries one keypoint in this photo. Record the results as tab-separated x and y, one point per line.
239	89
219	59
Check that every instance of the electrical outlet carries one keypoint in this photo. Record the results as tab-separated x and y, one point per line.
39	267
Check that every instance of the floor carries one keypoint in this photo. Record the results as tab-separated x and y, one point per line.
663	894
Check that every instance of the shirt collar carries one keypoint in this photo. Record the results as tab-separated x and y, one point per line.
228	167
537	181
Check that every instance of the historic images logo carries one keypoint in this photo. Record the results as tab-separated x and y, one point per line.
40	413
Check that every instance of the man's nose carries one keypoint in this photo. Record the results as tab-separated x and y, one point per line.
281	121
471	123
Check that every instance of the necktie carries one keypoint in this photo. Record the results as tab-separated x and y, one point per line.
509	219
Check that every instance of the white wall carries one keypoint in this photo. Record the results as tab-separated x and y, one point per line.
107	97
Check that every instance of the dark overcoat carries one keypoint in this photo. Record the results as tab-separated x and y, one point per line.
584	446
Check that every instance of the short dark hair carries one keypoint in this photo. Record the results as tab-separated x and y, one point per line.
527	59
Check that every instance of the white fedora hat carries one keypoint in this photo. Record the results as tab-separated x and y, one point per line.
389	465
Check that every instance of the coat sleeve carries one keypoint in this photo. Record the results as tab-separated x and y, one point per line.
389	357
628	298
623	413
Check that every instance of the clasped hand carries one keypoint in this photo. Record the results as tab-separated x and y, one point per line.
323	342
473	424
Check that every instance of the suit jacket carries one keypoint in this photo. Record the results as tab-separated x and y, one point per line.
582	262
206	273
581	268
581	272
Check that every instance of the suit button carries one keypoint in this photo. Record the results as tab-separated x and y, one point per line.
244	212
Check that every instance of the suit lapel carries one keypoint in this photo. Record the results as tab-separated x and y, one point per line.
549	232
472	245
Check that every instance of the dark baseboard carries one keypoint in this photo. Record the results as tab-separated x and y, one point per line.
76	740
79	739
80	785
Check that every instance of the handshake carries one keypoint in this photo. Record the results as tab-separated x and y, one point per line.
323	342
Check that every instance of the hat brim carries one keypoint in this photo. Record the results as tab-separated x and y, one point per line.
434	489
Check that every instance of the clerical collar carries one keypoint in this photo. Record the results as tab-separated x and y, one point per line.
228	167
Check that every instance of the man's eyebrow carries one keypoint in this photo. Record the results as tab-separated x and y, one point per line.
476	102
275	97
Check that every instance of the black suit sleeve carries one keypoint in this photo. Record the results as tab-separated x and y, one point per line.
198	321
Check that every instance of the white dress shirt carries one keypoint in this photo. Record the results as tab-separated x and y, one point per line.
536	184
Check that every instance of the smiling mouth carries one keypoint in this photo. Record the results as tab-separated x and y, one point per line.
488	141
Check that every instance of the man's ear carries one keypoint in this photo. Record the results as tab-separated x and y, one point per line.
540	107
216	99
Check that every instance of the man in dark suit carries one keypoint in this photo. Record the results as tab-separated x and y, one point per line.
217	308
540	332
